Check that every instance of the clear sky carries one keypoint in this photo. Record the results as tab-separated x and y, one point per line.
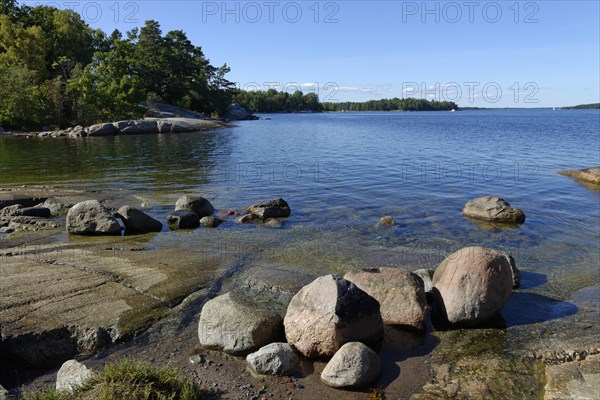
476	53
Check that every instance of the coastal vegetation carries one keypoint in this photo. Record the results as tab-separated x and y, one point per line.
395	104
129	379
278	101
55	70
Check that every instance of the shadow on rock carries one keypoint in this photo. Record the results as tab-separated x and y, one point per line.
531	308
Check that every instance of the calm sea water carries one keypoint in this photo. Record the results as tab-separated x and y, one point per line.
341	172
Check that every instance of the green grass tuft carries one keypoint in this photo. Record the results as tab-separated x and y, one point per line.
133	380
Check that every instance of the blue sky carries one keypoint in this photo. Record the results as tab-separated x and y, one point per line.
476	53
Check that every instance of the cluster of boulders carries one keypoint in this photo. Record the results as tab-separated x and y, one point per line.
21	213
91	217
343	319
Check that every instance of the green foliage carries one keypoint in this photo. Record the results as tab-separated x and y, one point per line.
130	380
274	101
71	74
395	104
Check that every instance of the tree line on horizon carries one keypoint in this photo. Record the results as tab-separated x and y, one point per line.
394	104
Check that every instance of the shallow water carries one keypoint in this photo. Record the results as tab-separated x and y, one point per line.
341	172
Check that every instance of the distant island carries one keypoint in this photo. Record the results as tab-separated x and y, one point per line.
395	104
592	106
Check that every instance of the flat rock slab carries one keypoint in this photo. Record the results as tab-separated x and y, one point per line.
573	380
57	301
11	198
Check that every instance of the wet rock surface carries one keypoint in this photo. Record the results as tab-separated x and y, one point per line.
493	209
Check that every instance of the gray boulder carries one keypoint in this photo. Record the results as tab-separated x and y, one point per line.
494	209
91	218
137	221
196	204
329	312
353	366
472	285
71	375
101	130
277	208
183	219
274	359
235	324
399	292
211	222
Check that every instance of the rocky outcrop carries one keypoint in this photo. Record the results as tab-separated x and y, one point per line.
197	204
354	365
400	294
237	325
588	175
138	126
183	219
137	221
494	209
238	113
71	375
274	359
329	312
277	208
91	218
472	285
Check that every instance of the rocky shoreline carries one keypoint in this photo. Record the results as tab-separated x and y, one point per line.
114	297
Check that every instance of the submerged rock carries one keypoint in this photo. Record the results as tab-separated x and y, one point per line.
211	222
71	375
91	218
197	204
353	365
399	292
388	220
137	221
472	285
237	325
274	359
495	209
277	208
329	312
